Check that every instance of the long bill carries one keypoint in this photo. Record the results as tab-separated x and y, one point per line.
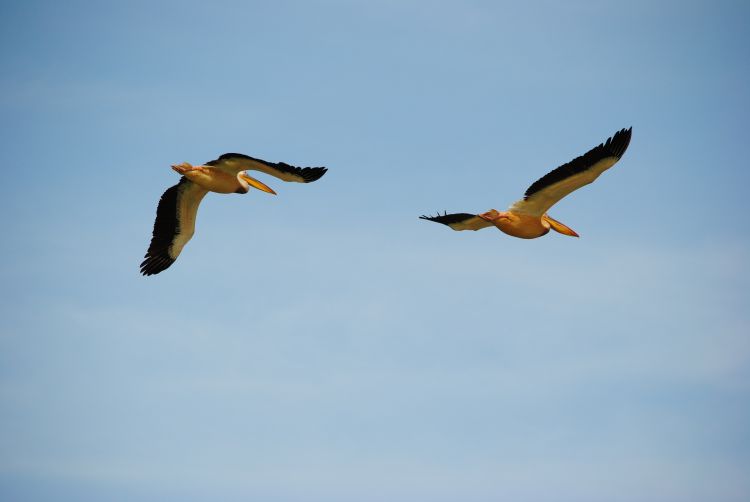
257	184
559	227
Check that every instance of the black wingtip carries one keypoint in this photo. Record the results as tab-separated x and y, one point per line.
153	264
310	174
447	219
615	146
434	218
619	142
166	226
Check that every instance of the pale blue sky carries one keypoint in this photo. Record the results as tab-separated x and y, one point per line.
325	344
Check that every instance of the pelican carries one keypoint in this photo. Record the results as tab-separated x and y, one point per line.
528	218
178	207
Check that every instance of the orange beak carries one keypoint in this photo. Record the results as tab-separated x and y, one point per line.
257	184
559	227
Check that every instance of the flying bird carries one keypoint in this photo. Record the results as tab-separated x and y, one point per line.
178	207
528	218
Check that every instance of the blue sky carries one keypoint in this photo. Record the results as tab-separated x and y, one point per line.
327	345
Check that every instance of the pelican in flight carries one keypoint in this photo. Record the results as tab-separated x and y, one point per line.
175	215
528	218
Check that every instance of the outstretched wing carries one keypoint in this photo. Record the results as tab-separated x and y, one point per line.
237	162
553	186
174	225
459	221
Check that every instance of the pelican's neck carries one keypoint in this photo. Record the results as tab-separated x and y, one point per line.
244	185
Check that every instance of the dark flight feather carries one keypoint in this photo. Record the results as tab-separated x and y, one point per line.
309	174
448	219
613	147
166	227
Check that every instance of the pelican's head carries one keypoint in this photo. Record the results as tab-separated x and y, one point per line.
248	181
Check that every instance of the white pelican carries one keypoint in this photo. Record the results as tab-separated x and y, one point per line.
175	215
528	218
